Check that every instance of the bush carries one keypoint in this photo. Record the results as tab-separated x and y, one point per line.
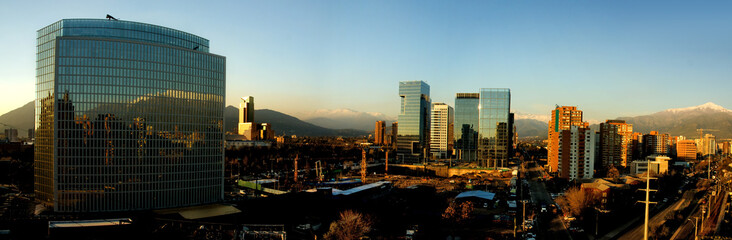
350	225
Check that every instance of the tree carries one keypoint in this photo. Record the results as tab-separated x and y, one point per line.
350	225
575	201
458	212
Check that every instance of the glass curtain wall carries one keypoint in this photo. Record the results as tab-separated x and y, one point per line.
129	116
495	127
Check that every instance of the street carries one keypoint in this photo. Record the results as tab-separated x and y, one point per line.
549	224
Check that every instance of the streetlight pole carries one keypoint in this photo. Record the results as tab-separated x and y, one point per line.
704	211
696	231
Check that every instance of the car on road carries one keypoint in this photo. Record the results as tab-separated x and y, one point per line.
529	235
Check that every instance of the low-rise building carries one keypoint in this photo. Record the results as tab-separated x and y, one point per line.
658	164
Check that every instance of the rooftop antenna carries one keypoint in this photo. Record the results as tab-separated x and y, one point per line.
109	17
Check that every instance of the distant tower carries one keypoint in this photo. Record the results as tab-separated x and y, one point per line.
394	130
655	143
441	136
247	127
379	131
246	110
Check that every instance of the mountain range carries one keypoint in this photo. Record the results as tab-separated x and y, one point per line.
22	119
713	118
345	119
284	124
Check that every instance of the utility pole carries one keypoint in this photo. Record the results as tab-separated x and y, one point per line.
363	165
296	157
696	232
523	215
648	195
386	164
704	211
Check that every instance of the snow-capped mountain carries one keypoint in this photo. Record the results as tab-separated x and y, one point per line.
539	117
709	106
685	121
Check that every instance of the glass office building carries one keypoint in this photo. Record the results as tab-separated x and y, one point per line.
414	120
495	127
466	126
129	116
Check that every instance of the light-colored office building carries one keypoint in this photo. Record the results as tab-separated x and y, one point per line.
441	135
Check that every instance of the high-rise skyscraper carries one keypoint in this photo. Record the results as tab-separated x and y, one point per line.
247	127
379	131
616	143
393	135
129	116
246	110
577	155
414	120
466	126
441	135
495	127
562	119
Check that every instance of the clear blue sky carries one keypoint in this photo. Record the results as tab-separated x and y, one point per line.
611	58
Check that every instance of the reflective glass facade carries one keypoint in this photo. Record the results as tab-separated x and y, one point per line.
495	127
129	116
414	119
466	125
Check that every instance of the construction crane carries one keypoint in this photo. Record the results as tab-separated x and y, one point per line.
701	131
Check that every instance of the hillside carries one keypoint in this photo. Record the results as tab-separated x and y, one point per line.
531	128
20	118
286	124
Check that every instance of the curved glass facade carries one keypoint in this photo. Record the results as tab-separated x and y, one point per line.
129	116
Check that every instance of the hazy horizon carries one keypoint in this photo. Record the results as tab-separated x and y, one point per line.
611	59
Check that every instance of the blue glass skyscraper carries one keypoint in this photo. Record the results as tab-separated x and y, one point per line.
466	126
414	120
129	116
495	127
